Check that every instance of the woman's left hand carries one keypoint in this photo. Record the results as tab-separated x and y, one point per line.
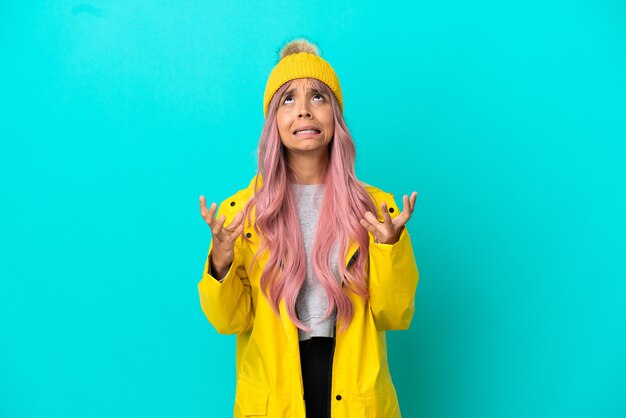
389	231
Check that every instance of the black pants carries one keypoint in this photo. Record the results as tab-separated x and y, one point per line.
316	359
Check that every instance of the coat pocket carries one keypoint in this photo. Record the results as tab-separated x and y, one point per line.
251	399
383	404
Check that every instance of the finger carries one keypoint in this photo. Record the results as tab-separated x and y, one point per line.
203	208
369	226
217	228
210	215
236	233
405	215
236	222
207	214
386	216
412	201
401	220
209	219
202	203
406	202
371	218
212	210
409	203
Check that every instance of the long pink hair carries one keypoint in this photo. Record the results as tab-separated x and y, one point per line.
344	202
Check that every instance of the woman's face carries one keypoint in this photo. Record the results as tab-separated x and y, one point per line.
299	107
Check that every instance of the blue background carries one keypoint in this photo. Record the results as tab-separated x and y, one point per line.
509	119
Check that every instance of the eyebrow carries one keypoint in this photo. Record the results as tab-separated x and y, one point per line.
291	91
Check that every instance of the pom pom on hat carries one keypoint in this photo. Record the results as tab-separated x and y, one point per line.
300	58
297	46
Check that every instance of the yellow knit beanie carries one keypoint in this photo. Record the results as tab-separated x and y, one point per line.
301	59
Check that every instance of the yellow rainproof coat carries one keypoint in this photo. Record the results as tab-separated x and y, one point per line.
269	376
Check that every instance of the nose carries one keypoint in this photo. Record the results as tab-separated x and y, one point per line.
304	110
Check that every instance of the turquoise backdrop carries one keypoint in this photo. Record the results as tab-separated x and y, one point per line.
508	119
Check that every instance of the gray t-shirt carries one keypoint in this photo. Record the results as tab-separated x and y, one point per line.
312	300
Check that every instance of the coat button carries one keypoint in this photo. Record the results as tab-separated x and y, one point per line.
232	203
391	210
338	397
248	235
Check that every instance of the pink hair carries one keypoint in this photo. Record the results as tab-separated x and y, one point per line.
344	202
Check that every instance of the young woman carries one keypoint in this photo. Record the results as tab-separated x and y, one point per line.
307	265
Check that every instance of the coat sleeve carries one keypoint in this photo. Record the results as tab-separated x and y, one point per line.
227	304
393	278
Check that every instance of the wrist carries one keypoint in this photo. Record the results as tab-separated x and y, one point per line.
218	268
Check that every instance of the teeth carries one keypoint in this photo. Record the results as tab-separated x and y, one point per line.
313	131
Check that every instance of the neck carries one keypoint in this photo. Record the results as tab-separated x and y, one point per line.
307	168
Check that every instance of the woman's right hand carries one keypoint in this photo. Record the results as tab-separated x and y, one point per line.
223	237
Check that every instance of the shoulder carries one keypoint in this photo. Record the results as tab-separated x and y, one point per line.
378	195
237	201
